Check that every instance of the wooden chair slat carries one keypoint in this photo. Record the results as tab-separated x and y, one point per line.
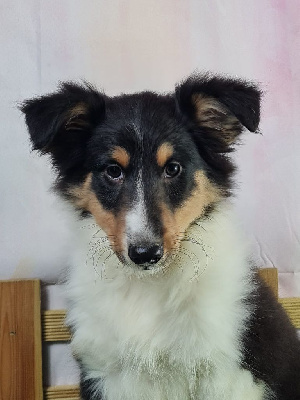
20	340
270	276
62	393
292	308
53	326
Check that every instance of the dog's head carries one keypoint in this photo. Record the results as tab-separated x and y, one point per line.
144	165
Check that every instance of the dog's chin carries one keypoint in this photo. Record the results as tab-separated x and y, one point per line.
146	269
143	270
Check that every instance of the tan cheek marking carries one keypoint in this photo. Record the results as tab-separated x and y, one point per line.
170	235
113	226
164	152
121	156
176	224
204	194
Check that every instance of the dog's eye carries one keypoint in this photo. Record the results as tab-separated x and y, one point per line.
172	169
114	172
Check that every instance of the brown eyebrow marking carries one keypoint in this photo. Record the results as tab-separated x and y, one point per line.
164	152
121	156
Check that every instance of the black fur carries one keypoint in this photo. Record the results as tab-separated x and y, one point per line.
53	130
87	138
87	391
271	347
240	97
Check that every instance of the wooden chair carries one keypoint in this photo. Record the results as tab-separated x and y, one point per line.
23	325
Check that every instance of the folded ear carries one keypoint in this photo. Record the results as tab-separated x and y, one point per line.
63	118
220	106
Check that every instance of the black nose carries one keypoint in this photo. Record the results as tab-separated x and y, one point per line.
145	254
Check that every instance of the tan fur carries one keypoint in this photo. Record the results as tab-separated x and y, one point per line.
121	156
164	152
212	114
114	227
73	122
175	224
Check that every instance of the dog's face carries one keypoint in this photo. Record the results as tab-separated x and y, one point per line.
144	165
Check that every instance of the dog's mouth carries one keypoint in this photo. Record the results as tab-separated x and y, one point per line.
147	267
150	266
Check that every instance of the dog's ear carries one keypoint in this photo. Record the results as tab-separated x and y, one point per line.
220	107
64	118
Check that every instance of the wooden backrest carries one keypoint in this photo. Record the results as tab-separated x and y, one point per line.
21	336
20	340
290	304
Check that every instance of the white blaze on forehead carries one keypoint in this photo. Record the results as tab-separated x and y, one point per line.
136	219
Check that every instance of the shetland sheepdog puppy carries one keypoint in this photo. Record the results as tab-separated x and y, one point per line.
164	303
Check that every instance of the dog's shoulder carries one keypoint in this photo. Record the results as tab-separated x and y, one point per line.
271	349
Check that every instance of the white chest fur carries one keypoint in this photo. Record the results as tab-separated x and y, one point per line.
164	336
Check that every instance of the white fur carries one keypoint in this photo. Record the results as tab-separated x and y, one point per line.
136	218
137	224
167	334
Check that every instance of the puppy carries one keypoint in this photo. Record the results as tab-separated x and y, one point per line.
164	304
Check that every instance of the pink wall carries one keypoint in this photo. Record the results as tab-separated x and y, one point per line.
138	44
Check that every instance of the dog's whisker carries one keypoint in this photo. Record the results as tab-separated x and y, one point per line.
102	238
102	251
88	226
108	257
202	244
96	248
197	273
197	223
103	263
191	256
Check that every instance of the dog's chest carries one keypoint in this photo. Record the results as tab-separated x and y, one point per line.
146	323
155	368
140	345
